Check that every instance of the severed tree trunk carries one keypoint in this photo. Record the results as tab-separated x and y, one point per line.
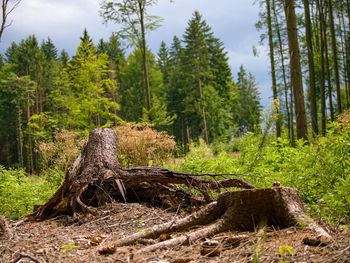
245	210
96	178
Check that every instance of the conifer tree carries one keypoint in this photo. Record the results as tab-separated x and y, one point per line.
248	102
208	90
81	94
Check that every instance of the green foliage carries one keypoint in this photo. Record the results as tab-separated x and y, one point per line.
285	251
19	193
84	97
69	247
319	170
248	110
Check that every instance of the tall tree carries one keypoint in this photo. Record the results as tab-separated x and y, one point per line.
322	72
197	71
16	100
335	55
295	69
283	69
135	22
176	93
273	70
164	62
248	103
310	54
81	95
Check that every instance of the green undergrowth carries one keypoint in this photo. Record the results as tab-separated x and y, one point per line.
320	170
19	192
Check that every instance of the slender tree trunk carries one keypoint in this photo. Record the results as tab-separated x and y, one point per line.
20	138
344	54
335	56
291	95
205	124
322	71
144	56
295	69
273	70
310	54
284	76
29	142
328	72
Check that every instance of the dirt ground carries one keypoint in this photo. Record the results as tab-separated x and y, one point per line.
90	239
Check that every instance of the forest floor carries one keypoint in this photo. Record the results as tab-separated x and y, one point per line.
90	239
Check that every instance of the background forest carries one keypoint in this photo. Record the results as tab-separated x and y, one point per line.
185	94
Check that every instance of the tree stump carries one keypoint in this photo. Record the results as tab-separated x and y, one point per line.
96	178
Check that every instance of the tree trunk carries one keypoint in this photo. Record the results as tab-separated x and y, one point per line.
240	211
144	56
288	113
295	70
322	71
273	70
335	56
204	117
310	54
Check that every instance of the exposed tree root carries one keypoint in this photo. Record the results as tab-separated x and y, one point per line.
202	217
187	239
96	178
240	210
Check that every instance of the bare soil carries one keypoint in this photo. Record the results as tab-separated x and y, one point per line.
89	238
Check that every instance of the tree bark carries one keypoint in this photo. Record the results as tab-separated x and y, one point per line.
273	69
310	54
144	55
335	56
295	70
322	71
243	210
286	100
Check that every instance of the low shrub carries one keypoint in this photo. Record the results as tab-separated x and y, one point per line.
19	193
139	144
62	150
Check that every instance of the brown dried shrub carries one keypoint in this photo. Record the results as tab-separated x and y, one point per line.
139	144
344	118
62	151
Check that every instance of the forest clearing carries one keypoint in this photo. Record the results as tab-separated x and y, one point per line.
217	132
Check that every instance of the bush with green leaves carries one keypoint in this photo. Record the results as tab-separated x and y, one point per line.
19	193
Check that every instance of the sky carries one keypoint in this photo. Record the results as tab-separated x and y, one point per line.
232	21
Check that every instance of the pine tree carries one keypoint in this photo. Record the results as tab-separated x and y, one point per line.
49	50
81	94
64	58
249	103
208	90
163	60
